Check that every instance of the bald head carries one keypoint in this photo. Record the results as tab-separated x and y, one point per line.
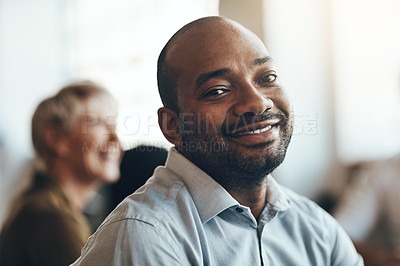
201	33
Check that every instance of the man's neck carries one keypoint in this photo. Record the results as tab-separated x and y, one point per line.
248	188
254	198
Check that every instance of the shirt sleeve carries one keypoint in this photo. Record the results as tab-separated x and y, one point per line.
343	250
129	242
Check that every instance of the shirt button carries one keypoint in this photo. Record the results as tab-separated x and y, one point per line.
239	210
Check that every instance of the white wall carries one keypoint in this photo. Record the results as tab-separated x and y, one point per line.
32	65
367	78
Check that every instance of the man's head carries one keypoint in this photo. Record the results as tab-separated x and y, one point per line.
224	108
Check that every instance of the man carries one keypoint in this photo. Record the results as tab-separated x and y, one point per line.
214	202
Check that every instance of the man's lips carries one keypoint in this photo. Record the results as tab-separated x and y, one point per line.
256	128
261	132
253	125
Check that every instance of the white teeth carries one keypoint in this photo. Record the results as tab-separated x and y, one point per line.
257	131
264	129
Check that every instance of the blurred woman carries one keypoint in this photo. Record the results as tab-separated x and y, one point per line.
74	138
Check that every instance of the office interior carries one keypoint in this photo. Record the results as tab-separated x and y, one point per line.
339	61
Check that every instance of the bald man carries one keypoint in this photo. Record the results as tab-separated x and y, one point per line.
215	202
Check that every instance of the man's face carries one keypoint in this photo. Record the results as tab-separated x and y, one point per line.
234	116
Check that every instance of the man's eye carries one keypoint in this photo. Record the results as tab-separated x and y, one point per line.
269	78
215	92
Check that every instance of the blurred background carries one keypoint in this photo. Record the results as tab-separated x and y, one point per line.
338	59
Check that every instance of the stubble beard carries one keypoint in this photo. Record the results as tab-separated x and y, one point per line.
233	165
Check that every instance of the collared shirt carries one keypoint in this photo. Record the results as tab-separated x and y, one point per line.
43	228
181	216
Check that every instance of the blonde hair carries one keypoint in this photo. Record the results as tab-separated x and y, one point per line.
60	112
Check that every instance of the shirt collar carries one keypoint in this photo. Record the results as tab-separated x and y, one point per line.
276	196
209	196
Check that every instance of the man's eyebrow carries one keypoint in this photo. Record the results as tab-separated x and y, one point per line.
212	74
263	60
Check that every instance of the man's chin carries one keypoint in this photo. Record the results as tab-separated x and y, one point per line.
257	146
260	165
259	152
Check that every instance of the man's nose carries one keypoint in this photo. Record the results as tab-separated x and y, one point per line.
251	101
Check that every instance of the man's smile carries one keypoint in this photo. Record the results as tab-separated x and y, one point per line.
256	128
267	134
256	132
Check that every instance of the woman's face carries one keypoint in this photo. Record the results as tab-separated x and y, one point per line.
95	151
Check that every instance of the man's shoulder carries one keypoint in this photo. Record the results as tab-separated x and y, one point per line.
159	200
155	214
306	224
307	210
310	221
298	200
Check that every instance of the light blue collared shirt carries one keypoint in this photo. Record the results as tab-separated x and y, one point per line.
181	216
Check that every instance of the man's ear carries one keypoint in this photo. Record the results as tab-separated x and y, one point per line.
57	142
168	120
